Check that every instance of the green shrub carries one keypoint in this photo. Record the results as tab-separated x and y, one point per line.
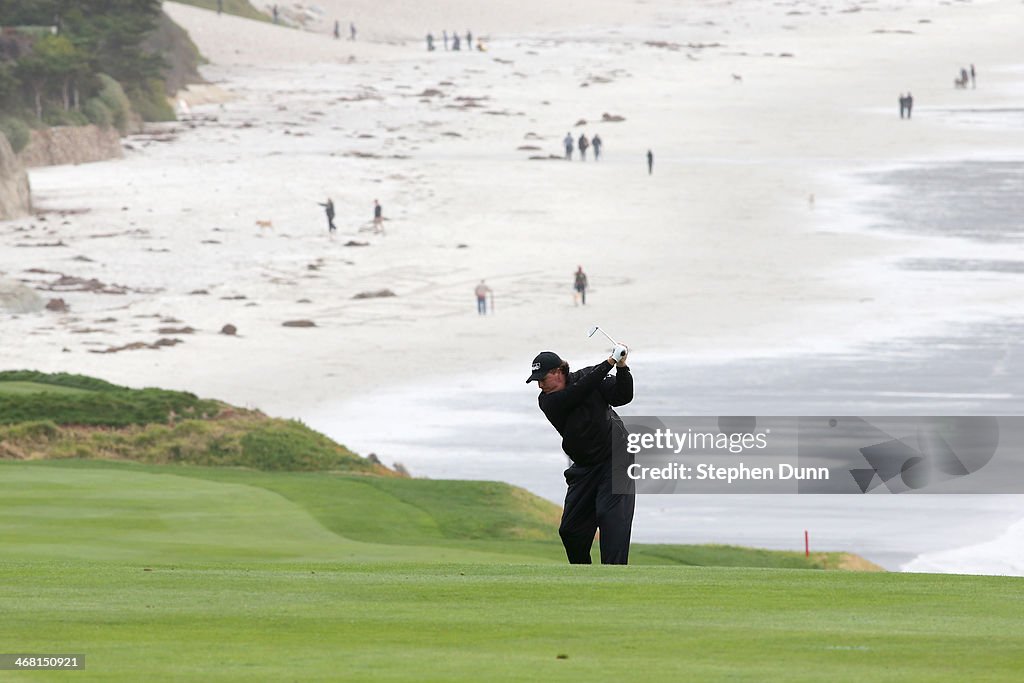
113	98
152	437
98	113
43	430
56	116
16	132
290	445
150	101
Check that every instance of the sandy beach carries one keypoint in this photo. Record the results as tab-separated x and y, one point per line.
773	129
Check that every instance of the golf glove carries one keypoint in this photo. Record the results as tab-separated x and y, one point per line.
619	353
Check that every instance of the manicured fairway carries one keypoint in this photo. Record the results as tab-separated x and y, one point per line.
156	576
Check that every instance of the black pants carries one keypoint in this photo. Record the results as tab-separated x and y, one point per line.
590	505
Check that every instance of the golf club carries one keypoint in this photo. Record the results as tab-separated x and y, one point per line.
597	328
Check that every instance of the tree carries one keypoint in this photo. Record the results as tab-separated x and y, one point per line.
29	12
32	72
54	62
92	37
64	63
8	84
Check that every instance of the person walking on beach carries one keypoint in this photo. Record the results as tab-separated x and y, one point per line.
351	30
568	146
220	6
430	42
274	11
455	42
903	105
482	291
337	29
973	83
444	35
329	210
579	405
650	162
583	144
378	217
596	143
910	104
580	287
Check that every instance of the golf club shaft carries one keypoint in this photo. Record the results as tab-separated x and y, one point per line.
606	335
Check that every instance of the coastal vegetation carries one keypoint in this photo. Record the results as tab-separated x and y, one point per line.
79	62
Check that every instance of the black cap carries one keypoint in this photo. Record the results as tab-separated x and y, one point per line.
545	362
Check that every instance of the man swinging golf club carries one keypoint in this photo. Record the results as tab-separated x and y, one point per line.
579	406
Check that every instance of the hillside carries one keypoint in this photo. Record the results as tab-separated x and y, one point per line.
71	416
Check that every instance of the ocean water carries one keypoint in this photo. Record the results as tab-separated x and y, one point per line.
974	199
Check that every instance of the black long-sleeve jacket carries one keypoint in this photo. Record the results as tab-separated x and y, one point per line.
582	412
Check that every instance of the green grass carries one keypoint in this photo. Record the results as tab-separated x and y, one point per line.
20	388
241	8
406	515
214	574
117	543
472	622
65	510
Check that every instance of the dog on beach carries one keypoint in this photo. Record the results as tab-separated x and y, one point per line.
265	225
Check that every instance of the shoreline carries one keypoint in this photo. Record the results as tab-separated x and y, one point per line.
698	327
721	347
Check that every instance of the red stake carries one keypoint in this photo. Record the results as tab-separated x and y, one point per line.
807	544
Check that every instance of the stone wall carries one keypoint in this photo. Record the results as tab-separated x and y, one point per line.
71	145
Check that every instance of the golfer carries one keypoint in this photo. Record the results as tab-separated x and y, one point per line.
579	406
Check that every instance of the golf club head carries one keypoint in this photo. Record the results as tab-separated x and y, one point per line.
597	328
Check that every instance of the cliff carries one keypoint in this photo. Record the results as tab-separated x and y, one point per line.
15	199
